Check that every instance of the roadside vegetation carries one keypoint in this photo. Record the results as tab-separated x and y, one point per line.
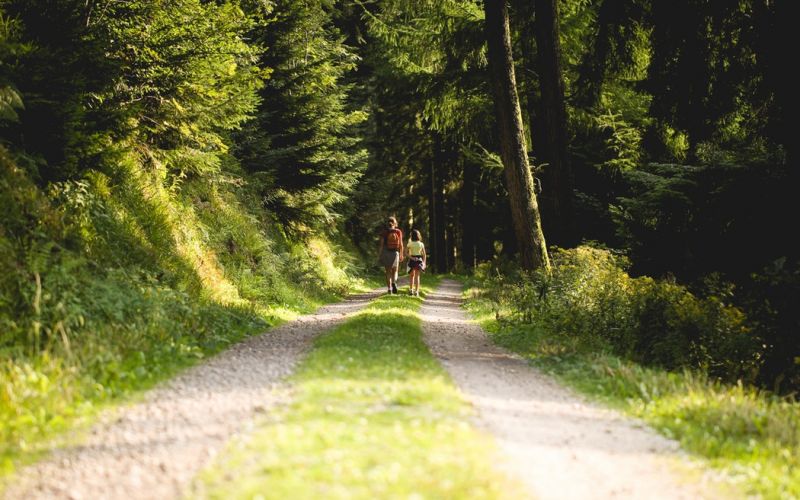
181	278
653	350
151	213
176	175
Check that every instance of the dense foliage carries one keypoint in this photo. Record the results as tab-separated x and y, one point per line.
590	298
678	154
139	230
304	145
751	434
172	173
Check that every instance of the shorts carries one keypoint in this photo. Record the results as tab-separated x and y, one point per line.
389	258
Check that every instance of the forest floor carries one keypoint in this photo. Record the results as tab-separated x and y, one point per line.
554	442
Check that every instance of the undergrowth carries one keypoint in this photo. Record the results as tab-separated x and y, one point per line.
574	333
111	283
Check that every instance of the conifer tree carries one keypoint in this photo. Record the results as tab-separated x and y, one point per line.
519	180
304	144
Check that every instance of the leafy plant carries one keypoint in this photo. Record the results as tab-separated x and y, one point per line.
590	299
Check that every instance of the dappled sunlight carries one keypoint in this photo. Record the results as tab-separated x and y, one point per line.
383	454
386	311
450	320
148	279
429	394
559	444
752	435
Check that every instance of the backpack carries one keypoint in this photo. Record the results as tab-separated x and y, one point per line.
393	239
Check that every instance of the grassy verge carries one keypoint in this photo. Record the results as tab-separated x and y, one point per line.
373	416
122	283
50	399
752	436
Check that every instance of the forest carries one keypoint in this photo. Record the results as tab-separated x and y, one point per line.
176	175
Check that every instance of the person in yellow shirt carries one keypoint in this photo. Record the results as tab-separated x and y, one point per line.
416	261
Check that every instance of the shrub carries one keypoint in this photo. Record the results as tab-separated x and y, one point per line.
589	299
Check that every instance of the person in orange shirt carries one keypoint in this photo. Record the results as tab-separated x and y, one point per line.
390	253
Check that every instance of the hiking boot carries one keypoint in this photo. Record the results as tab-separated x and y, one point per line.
394	288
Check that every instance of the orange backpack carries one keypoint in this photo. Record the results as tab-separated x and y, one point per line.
393	239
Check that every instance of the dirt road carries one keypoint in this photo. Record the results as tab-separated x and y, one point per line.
558	444
153	449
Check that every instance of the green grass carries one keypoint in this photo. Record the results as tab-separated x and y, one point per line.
753	436
373	416
48	399
116	290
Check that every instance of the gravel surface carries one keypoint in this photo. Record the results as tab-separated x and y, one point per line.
152	449
556	443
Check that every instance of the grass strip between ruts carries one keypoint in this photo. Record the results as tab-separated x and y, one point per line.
373	415
752	436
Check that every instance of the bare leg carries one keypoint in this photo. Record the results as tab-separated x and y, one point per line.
393	285
388	272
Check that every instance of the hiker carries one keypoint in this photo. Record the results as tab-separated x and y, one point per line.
416	261
390	253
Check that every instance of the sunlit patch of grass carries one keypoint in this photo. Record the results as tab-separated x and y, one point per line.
131	283
373	416
753	436
43	396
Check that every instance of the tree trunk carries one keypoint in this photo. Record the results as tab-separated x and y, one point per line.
440	158
519	181
485	223
557	206
468	227
433	224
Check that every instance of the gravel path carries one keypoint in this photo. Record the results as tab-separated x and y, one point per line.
152	449
558	444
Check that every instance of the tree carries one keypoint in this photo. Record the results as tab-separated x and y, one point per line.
542	90
513	151
305	143
163	81
556	177
469	228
